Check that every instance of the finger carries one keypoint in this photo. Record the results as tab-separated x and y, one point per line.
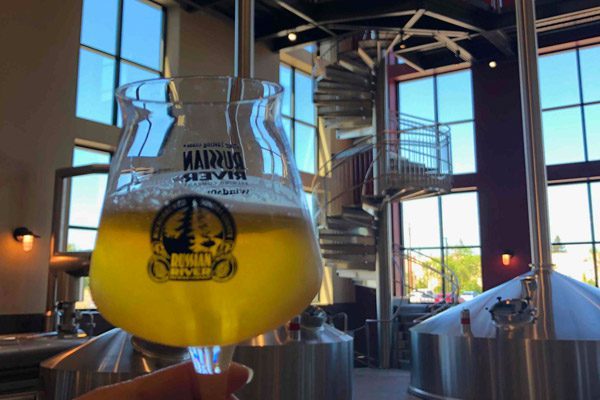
219	386
238	376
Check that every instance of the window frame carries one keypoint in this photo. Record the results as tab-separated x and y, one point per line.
435	75
117	56
594	241
293	120
444	249
65	225
581	104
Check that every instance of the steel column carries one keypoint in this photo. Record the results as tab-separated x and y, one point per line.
535	164
244	38
384	235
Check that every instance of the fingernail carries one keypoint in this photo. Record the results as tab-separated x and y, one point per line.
250	375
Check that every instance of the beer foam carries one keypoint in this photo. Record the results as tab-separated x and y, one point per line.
253	195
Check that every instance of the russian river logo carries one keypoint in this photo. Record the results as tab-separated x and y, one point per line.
192	240
204	162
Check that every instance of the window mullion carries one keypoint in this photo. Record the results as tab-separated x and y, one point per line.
118	59
293	110
581	110
593	228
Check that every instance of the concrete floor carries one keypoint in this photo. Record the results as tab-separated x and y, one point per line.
381	384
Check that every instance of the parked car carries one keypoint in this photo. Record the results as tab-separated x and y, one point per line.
439	298
421	296
469	295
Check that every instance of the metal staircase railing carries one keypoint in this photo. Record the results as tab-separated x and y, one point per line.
405	157
406	260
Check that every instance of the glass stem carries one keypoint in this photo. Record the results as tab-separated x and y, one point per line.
211	364
211	360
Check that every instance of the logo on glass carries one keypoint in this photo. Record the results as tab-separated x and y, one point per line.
192	240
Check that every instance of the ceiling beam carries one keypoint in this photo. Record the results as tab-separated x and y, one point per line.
408	60
453	21
300	14
414	19
500	40
406	32
455	48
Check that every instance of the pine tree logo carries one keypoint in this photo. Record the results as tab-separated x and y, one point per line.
192	239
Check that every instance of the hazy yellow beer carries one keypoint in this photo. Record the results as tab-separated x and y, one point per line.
195	273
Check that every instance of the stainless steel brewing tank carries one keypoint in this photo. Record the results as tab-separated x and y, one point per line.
307	365
103	360
300	365
557	356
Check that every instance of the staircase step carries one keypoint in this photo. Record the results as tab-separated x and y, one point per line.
356	212
339	222
340	74
342	96
354	64
366	261
358	274
329	250
328	89
353	108
343	134
326	84
347	239
325	233
348	122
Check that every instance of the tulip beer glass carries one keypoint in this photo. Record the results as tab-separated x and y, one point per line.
205	239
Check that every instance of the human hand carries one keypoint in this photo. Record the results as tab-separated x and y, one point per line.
178	382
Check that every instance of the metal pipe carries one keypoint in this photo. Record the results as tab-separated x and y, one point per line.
535	164
384	247
244	38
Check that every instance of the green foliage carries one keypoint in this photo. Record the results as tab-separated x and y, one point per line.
463	262
467	267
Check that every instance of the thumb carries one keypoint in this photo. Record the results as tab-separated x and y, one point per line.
221	386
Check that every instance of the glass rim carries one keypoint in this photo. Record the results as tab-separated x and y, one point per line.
121	91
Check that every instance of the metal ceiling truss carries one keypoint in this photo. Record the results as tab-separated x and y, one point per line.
462	27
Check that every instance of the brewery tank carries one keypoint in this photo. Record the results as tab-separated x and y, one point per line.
535	337
306	364
545	347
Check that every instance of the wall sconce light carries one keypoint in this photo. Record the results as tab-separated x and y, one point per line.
492	64
25	236
292	36
507	255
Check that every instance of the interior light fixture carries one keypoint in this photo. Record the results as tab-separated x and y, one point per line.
402	46
292	36
492	64
25	236
507	255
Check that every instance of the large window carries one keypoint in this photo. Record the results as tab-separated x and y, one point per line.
299	117
445	99
445	230
121	42
570	97
85	200
574	211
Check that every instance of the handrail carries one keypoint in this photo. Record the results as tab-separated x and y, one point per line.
444	271
416	158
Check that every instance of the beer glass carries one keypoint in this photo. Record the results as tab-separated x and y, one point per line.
205	239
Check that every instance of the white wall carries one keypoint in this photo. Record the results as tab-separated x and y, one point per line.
38	127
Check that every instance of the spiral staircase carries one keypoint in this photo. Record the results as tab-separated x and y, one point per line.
401	158
415	154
